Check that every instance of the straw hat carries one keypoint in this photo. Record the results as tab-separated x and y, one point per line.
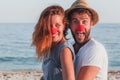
83	4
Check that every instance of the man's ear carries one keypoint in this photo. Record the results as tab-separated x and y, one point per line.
91	24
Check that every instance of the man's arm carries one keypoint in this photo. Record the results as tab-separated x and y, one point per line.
88	73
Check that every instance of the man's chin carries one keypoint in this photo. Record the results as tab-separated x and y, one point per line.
80	41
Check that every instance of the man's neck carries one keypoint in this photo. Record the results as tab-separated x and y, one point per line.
77	46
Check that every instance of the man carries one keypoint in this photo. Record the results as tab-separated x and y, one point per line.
91	58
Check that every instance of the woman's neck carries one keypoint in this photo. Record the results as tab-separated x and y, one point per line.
56	43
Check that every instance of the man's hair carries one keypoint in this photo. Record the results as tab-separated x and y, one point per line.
79	10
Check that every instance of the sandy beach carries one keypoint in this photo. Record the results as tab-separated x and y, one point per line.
36	75
20	75
114	75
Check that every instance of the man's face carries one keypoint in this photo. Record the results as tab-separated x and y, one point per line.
83	19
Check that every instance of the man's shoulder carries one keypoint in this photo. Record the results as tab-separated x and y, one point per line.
93	46
95	43
94	49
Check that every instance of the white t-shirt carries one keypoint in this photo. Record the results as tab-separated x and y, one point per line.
92	54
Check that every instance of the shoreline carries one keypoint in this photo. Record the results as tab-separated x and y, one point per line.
37	74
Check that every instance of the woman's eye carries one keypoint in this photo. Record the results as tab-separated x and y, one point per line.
57	25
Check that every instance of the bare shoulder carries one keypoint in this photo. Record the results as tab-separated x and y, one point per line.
66	51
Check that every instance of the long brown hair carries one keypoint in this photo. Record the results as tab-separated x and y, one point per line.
42	38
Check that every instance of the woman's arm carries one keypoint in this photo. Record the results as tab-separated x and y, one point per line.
67	64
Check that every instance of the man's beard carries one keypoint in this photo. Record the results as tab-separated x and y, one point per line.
87	37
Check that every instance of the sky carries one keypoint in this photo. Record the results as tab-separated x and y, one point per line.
28	11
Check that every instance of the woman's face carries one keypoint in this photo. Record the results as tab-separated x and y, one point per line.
57	28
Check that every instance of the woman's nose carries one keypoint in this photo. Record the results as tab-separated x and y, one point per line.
53	30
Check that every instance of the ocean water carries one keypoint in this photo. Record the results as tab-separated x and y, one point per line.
16	52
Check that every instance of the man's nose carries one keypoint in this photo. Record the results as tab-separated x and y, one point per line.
80	23
80	27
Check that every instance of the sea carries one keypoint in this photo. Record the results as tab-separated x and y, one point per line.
16	52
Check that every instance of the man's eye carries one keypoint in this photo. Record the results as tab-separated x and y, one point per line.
85	21
74	21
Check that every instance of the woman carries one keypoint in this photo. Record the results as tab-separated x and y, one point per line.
52	46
